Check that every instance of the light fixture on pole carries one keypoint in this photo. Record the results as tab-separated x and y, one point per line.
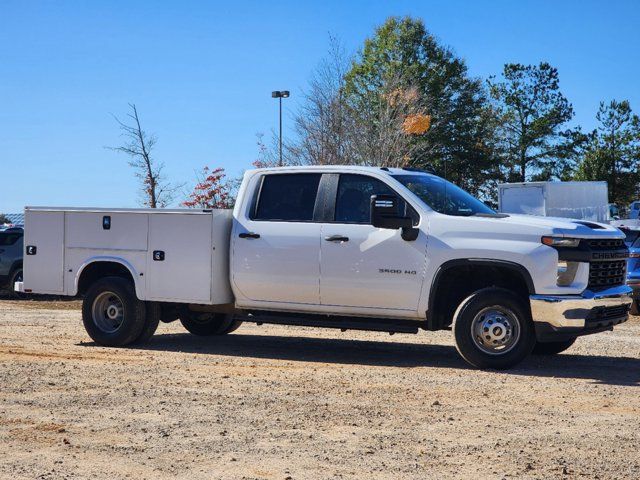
280	94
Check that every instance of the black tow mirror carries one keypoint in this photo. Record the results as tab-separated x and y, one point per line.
385	213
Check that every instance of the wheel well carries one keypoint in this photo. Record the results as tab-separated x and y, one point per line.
97	270
456	282
17	264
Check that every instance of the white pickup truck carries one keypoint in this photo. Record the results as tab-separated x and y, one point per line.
386	249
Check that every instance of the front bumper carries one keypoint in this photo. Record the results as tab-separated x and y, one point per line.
635	285
560	317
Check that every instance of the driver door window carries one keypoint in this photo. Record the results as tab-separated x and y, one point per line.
353	201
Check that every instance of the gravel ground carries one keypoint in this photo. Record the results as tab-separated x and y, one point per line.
276	402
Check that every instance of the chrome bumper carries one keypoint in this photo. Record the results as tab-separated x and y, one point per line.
575	312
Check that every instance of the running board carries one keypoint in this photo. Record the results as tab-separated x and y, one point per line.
332	321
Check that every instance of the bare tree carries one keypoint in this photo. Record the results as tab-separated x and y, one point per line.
385	124
374	127
156	191
323	121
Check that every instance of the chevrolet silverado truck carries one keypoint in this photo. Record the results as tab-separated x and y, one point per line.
386	249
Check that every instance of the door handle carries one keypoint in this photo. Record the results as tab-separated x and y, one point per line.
337	238
249	235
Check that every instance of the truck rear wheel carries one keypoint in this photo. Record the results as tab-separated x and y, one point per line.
152	320
493	329
552	348
112	314
207	324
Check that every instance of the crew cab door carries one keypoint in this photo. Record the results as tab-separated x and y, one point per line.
364	267
276	243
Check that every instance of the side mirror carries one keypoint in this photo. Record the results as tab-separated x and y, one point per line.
385	214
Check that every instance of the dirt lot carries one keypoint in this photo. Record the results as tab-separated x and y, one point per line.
276	402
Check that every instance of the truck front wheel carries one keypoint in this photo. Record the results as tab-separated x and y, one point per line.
112	314
493	329
207	324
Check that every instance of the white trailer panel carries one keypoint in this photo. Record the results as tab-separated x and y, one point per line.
579	200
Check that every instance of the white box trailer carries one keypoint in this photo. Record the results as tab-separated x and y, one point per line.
579	200
173	255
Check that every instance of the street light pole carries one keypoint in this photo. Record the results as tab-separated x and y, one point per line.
280	94
280	102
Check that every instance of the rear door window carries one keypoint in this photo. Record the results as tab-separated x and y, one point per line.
7	239
287	197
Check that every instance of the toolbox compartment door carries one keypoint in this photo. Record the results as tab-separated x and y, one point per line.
179	258
44	252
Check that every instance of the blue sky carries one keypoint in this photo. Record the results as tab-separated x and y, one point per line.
201	74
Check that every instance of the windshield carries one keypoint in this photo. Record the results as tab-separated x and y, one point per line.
444	197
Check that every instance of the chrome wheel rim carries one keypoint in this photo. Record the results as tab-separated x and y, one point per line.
495	330
108	312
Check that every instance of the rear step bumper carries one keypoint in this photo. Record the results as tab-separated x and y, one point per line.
332	321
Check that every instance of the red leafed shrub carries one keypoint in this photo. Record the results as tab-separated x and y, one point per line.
211	191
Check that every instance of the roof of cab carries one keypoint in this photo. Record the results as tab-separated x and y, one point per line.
343	168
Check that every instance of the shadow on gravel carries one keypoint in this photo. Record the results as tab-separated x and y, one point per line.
601	369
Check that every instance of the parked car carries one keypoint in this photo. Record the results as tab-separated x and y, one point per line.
386	249
632	241
634	210
11	248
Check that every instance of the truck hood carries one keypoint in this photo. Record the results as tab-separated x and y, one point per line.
564	227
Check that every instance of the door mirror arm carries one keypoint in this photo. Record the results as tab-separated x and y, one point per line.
409	234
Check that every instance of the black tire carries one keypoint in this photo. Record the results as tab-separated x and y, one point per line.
206	324
634	310
112	314
552	348
502	316
153	312
15	276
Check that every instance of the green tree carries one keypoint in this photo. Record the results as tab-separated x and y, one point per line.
403	56
533	115
3	219
613	152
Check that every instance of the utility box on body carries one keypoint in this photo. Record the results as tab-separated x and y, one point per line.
579	200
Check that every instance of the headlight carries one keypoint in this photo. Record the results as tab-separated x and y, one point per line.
566	273
561	242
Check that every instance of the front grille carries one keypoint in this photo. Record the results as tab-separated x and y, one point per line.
606	274
606	244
